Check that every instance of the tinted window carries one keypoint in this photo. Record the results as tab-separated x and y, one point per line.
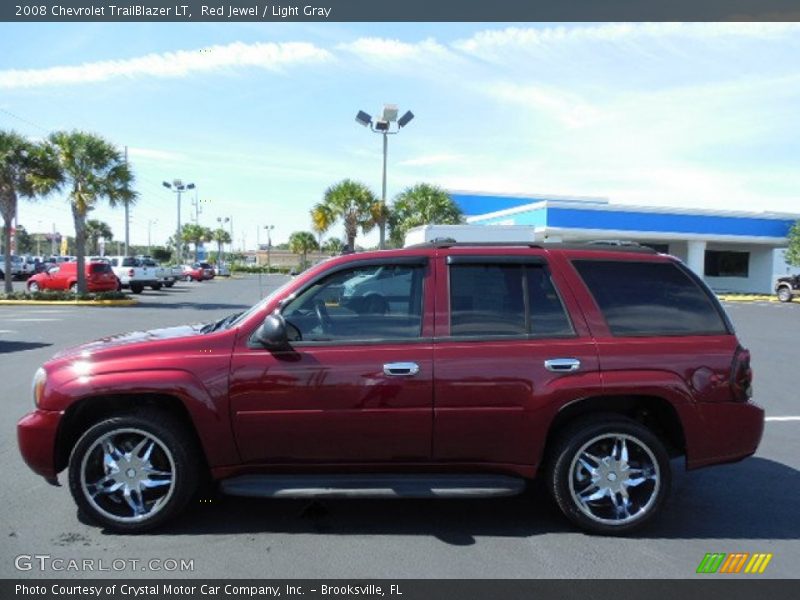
381	302
488	299
726	263
99	268
130	262
650	298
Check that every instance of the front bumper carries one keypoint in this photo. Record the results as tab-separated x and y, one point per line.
36	435
731	432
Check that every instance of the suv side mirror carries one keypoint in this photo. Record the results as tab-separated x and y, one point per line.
272	332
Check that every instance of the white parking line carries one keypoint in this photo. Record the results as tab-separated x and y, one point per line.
39	320
782	418
7	331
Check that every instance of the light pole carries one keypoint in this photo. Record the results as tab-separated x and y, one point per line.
222	221
269	229
384	127
178	187
150	223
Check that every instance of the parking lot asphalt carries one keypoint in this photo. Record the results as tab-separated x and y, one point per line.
751	506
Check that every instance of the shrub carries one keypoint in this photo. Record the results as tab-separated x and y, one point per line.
57	295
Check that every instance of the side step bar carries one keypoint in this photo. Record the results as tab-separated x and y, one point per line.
373	486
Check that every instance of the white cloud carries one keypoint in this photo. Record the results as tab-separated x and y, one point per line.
487	44
269	56
567	108
156	155
384	49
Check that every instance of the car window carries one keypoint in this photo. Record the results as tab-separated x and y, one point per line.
355	305
130	262
491	299
650	298
100	268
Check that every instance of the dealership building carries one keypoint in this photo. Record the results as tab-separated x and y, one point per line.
736	251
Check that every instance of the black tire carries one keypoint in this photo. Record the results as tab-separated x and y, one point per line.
169	284
784	294
137	288
173	447
600	515
155	287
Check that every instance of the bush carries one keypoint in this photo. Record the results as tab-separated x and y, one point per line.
239	268
54	295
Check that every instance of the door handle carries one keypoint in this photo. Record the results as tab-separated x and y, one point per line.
401	369
562	365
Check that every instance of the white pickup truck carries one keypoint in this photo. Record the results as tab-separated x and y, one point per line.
166	275
133	274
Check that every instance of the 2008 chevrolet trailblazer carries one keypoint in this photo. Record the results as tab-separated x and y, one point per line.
442	370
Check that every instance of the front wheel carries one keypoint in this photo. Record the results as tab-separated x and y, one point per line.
137	288
155	286
33	286
133	472
784	294
609	475
187	278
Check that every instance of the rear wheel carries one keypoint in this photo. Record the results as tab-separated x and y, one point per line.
73	288
133	472
609	475
169	284
187	278
156	286
784	294
137	288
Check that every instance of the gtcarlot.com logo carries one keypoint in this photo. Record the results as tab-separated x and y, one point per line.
737	562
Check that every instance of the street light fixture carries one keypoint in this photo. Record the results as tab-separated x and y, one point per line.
178	187
384	127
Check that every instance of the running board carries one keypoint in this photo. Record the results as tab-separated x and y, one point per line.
373	486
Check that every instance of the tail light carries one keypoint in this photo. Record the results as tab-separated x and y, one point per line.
741	376
131	273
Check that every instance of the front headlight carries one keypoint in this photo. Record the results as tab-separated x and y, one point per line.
39	379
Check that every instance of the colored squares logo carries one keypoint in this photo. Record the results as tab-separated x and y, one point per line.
737	562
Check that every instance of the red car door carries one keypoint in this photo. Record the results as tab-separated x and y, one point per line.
59	279
356	384
511	347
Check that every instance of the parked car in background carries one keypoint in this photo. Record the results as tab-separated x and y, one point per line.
133	274
166	275
99	278
222	270
208	269
194	273
590	368
787	288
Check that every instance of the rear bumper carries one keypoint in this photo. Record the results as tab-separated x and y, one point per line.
731	432
36	435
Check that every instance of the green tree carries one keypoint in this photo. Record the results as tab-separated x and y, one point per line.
322	219
89	169
353	203
161	254
94	231
25	172
793	251
221	236
332	246
192	233
301	242
422	204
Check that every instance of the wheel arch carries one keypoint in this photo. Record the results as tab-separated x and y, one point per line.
654	412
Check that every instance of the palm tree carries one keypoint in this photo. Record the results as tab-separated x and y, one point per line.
25	171
322	219
221	236
332	246
422	204
353	203
90	168
193	233
300	242
94	231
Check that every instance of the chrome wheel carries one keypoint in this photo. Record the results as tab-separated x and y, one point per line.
614	479
128	475
33	286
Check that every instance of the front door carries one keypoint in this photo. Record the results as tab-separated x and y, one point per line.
356	384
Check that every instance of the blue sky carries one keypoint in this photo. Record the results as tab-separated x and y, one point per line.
261	116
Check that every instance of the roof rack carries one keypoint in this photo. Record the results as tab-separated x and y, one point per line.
615	245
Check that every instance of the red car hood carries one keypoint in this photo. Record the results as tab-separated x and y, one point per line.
132	337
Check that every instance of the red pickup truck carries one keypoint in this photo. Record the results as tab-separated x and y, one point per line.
442	370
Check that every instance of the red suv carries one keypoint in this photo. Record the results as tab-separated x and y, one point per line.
99	278
442	370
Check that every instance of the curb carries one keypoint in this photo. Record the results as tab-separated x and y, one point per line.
130	302
754	298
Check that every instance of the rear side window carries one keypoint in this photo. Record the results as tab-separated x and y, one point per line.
130	262
505	299
650	298
100	268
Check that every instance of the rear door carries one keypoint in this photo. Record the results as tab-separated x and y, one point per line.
511	348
